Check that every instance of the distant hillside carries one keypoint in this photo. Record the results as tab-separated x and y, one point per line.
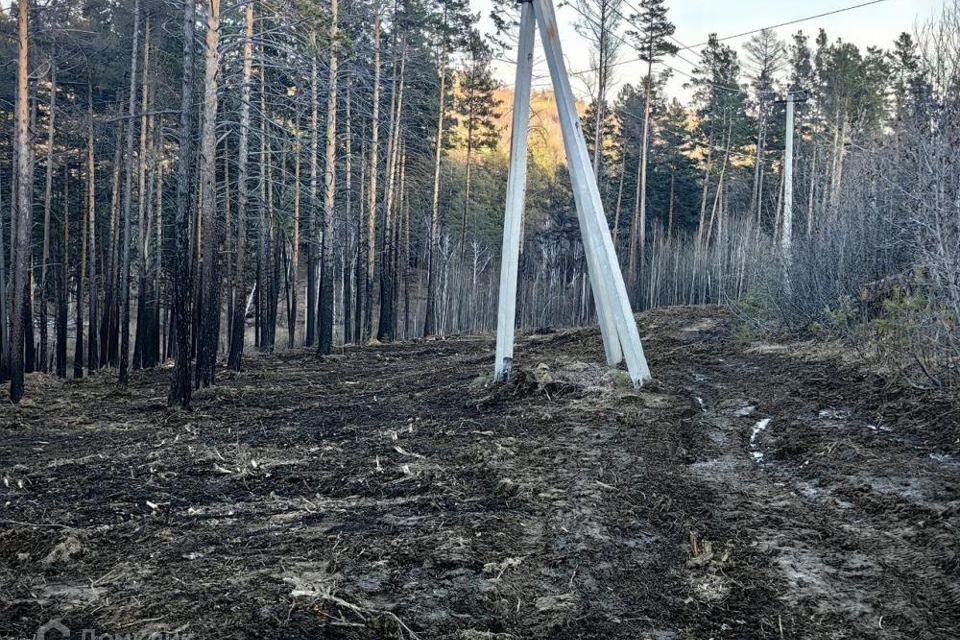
546	141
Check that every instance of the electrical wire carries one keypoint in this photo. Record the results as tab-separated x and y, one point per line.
718	86
796	21
692	48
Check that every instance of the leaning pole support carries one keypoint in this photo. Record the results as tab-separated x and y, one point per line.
621	338
516	192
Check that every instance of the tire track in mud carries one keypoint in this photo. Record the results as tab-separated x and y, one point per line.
562	505
596	562
848	557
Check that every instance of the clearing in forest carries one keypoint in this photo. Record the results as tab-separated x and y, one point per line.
751	491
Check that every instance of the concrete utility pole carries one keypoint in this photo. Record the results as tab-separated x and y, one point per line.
786	237
620	336
516	191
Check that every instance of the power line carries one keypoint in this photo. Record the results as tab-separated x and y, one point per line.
721	87
637	13
687	132
797	21
692	47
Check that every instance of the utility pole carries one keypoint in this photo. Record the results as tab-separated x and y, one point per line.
786	237
621	339
516	187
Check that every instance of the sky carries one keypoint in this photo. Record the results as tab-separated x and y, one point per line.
878	24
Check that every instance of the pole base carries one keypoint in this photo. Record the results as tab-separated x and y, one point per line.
504	370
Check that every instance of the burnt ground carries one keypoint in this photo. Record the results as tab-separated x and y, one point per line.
751	491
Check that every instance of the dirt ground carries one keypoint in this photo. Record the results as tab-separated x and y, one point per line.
751	491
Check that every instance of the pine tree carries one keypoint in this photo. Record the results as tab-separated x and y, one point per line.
599	22
766	56
325	300
720	104
652	44
210	279
180	382
22	219
904	62
450	24
238	320
477	110
802	79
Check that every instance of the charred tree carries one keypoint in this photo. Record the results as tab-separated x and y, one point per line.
124	360
47	202
210	279
93	352
180	388
386	327
295	243
312	224
433	250
20	246
63	278
266	280
371	230
238	320
325	303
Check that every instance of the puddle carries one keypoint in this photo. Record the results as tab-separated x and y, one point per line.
835	414
943	458
758	428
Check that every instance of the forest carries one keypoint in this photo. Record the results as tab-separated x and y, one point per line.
249	265
282	175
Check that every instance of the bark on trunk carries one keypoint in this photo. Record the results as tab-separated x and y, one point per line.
371	231
313	227
243	153
325	311
640	221
110	322
124	366
20	247
180	383
673	181
47	198
386	327
348	212
266	283
295	243
63	280
78	351
210	280
143	203
616	212
429	322
93	357
4	325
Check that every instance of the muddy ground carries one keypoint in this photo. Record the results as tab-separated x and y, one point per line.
753	490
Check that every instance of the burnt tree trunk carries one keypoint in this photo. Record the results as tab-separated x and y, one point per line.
20	245
210	279
312	224
124	364
47	198
180	388
429	322
325	304
93	351
235	355
63	278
